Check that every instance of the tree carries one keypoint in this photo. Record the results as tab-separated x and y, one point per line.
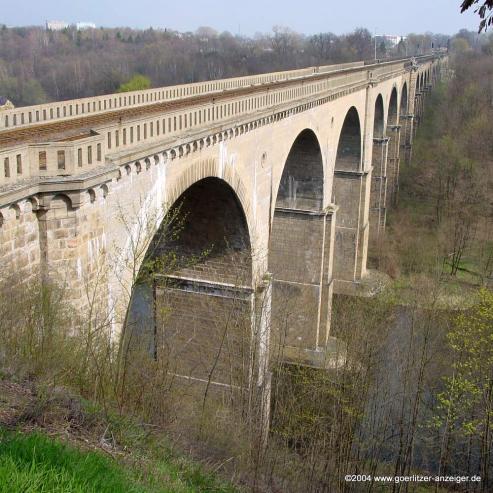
484	11
465	407
382	49
136	83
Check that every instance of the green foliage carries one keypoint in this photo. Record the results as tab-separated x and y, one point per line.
467	399
22	92
460	45
136	83
35	463
32	463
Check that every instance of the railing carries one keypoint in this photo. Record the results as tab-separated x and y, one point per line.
63	110
117	139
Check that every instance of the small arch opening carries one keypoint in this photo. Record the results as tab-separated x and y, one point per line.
92	195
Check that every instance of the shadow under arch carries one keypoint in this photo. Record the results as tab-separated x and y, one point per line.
379	119
349	195
302	180
299	255
392	116
209	227
380	150
404	104
393	156
348	156
192	304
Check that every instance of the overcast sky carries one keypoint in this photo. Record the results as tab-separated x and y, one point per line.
249	16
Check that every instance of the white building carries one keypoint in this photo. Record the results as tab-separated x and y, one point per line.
81	26
56	25
393	39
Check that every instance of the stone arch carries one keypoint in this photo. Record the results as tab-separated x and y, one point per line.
34	201
211	219
208	168
104	190
404	105
348	157
15	210
302	181
379	119
297	249
61	201
392	117
203	286
92	195
349	182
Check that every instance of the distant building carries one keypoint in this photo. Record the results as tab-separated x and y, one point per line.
56	25
81	26
393	39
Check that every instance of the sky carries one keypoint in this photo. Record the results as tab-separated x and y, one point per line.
249	16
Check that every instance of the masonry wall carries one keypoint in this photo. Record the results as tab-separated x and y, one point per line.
207	332
19	242
300	251
352	197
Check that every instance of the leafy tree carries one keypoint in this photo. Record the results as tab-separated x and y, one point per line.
465	407
460	45
382	50
137	83
484	10
21	92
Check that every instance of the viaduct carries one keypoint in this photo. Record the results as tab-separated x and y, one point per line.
279	179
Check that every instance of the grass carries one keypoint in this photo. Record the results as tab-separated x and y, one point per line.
32	463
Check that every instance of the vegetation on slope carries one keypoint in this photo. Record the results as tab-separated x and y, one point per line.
53	441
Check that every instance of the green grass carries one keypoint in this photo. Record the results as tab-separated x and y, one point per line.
34	463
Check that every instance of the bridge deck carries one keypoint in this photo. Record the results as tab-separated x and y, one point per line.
70	137
67	128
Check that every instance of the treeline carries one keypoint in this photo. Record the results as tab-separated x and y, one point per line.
451	176
37	65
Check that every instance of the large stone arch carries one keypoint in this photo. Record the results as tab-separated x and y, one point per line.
150	207
196	309
350	194
379	118
404	102
213	232
379	172
302	181
207	168
393	114
393	152
299	252
349	146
